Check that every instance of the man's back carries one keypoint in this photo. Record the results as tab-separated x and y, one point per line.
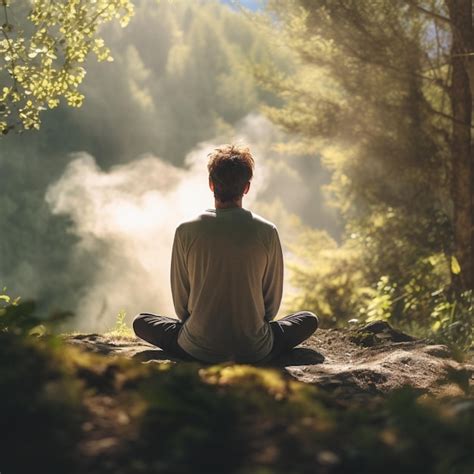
227	283
226	278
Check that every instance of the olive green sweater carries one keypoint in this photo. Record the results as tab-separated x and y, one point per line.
227	284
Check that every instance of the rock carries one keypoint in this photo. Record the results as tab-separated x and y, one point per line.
379	332
439	350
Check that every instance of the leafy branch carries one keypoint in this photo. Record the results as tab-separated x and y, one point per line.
42	67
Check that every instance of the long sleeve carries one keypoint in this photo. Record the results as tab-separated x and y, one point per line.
180	286
272	283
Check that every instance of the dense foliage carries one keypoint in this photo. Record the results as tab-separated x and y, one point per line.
369	95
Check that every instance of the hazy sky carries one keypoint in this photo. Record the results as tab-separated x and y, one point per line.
251	4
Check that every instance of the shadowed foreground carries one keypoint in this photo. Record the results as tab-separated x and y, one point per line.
92	405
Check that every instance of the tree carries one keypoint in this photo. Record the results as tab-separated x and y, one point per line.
461	92
42	50
371	95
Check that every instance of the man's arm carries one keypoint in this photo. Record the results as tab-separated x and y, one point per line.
273	278
179	279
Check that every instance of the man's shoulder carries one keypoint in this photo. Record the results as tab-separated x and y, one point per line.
262	222
210	215
192	222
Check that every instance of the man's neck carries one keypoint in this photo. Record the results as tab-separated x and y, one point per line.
227	204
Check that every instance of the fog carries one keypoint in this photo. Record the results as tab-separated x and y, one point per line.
125	220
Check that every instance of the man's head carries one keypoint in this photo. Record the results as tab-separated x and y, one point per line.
230	172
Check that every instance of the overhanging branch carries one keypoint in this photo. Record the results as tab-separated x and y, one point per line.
434	15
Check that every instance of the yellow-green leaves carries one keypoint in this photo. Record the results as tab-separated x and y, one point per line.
41	52
455	267
435	327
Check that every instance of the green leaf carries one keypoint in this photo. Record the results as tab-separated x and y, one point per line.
455	267
436	326
38	330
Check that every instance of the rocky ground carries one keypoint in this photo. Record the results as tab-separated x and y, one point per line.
374	359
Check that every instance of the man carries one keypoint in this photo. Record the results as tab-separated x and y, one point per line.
227	279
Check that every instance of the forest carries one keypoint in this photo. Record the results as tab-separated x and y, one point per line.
359	116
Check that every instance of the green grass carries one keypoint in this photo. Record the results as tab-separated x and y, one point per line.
121	330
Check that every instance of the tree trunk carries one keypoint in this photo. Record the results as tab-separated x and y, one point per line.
460	12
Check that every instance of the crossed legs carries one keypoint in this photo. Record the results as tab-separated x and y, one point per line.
163	331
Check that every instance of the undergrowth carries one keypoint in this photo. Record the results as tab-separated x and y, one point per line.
121	329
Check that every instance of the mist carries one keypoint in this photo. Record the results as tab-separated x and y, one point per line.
125	219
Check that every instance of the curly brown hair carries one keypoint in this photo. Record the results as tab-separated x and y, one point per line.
230	169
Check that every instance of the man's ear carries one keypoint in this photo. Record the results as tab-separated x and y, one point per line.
247	187
211	184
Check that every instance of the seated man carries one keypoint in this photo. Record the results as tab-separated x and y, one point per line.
227	279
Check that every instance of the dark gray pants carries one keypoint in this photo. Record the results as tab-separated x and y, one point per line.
162	331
